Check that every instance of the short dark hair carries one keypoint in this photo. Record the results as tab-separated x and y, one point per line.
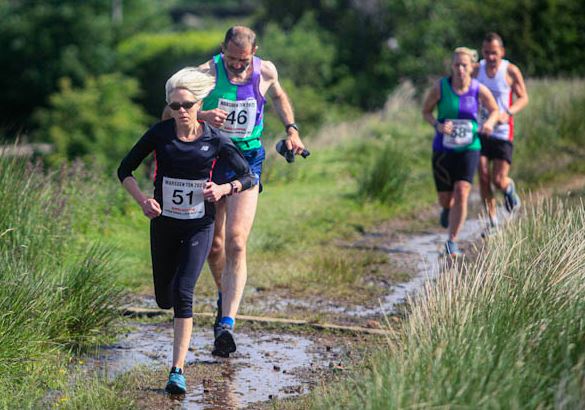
241	36
489	37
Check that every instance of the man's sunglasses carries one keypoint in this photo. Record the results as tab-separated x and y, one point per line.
175	106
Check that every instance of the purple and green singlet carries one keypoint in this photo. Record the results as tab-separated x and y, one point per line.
243	102
462	110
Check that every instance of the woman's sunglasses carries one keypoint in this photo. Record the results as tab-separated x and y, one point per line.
175	106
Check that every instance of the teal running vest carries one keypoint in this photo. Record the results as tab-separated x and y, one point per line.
462	110
244	104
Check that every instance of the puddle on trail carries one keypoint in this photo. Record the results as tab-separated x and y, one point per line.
265	366
426	248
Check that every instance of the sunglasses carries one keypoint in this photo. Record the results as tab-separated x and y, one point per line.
175	106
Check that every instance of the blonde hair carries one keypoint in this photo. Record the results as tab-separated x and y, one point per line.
467	51
197	82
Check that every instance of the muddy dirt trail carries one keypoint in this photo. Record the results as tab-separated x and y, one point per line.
275	362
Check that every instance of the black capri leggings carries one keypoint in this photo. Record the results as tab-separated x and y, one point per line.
179	249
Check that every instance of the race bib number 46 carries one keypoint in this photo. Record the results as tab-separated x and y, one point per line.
183	198
241	117
461	136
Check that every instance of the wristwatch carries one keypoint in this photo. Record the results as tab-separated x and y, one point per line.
291	125
508	111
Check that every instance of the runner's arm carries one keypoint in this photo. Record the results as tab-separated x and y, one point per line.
131	161
519	89
429	104
283	107
488	101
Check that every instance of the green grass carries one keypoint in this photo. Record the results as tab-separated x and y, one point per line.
58	294
360	173
504	331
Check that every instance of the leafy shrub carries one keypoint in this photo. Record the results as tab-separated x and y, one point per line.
97	123
153	58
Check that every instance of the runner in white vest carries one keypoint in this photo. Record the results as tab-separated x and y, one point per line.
506	83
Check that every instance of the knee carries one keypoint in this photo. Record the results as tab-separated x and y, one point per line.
461	192
217	248
236	243
163	302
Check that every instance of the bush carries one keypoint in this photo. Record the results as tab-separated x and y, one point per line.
153	58
386	176
97	123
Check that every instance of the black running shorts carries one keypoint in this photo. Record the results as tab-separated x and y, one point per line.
494	148
450	167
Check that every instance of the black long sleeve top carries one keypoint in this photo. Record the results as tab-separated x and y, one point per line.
193	160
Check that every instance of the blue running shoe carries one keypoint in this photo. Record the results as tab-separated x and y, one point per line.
511	198
176	383
444	219
451	249
224	342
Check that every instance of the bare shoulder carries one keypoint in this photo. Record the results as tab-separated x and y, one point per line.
514	71
208	67
268	71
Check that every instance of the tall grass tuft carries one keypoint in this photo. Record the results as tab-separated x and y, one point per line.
504	331
385	176
57	291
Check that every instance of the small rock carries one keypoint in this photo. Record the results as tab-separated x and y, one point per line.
277	368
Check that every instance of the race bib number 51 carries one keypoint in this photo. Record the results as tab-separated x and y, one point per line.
241	117
183	198
461	135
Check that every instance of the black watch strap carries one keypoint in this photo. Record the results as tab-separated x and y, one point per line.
291	125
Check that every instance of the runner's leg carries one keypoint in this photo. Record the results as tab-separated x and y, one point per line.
216	259
485	187
459	209
241	210
500	178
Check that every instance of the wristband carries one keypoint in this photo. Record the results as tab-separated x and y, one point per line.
234	188
291	125
508	111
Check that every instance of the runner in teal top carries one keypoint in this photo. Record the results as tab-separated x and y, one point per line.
236	108
456	144
243	103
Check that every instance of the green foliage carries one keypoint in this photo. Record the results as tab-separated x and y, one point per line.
153	58
45	41
550	132
97	123
56	291
385	173
503	331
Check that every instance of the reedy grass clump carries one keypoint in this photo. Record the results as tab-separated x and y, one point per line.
506	330
57	292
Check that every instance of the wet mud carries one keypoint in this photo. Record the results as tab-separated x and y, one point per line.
272	364
267	366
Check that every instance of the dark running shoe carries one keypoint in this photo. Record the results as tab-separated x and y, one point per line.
224	342
176	383
216	326
511	198
444	219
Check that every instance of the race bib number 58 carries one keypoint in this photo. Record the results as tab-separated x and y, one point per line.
183	198
241	117
461	136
